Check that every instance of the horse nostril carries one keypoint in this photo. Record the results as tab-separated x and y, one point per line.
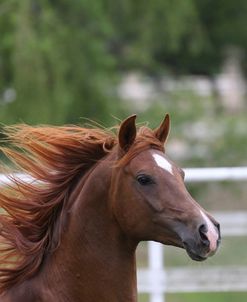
202	232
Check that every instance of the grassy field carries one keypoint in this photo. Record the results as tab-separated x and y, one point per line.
201	297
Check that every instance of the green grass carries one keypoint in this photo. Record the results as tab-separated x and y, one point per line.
200	297
143	298
206	297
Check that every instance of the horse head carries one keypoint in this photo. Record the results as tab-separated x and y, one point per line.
149	198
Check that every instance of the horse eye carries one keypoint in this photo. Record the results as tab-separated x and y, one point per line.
145	180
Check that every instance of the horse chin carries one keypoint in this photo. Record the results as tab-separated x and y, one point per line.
193	254
195	257
189	246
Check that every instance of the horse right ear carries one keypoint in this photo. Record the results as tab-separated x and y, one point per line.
127	133
162	131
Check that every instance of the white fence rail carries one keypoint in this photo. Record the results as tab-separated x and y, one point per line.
191	174
158	280
208	279
215	174
4	179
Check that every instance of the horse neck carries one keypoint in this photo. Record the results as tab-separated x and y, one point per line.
95	261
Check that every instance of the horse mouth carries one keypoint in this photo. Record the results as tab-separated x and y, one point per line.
194	256
190	251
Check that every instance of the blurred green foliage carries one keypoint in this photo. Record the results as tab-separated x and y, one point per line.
205	134
54	55
62	60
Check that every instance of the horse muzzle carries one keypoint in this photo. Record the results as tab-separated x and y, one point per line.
204	242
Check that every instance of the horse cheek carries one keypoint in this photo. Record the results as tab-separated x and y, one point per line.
132	216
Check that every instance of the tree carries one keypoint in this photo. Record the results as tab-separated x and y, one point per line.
61	60
58	62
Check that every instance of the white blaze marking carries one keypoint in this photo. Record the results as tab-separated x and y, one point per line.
163	163
212	234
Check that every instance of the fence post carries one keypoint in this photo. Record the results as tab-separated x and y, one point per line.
156	265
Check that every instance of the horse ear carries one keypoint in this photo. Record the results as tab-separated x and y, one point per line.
127	132
163	130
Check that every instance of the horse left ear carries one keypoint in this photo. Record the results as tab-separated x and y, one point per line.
127	133
163	130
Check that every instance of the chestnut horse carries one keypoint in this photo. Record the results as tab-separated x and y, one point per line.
72	235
